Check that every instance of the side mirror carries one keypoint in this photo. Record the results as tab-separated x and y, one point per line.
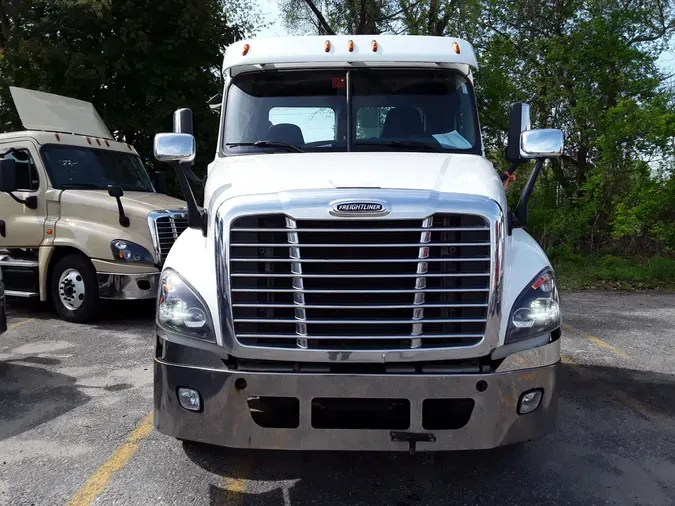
542	143
7	175
182	121
115	191
176	147
519	122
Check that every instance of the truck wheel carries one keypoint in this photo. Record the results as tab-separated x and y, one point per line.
74	289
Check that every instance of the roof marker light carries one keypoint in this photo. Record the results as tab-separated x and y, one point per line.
98	142
350	46
244	50
326	46
88	140
129	146
107	143
455	46
58	137
373	45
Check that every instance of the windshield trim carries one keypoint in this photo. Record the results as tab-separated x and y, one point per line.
224	152
64	187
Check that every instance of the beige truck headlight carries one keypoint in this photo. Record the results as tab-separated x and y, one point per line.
127	251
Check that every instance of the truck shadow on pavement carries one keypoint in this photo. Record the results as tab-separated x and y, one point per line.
608	416
30	396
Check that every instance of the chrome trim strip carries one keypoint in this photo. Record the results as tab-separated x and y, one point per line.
313	205
112	285
17	293
362	245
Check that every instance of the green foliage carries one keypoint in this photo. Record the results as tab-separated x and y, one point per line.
136	60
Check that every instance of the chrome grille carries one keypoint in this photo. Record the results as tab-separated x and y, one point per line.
166	226
365	284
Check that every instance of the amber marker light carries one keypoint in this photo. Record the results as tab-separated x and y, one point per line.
326	46
373	45
455	46
350	46
244	50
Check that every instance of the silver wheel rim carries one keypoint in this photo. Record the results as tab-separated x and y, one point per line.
71	289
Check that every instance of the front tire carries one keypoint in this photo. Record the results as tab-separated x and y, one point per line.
74	289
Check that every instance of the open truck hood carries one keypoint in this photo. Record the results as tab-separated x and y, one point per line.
273	173
54	113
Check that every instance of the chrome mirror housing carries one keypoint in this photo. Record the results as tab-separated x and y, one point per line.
541	143
172	147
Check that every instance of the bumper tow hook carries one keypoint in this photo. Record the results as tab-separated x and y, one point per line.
412	438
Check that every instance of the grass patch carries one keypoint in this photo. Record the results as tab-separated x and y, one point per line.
614	273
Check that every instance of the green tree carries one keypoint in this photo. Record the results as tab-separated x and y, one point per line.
136	60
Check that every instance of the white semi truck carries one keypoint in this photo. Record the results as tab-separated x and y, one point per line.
356	278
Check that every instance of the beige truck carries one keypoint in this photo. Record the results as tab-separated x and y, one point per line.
80	217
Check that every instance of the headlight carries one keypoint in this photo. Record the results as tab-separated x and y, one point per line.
179	308
536	310
130	252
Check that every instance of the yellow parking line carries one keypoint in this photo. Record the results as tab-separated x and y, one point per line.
235	488
567	360
596	340
18	324
98	481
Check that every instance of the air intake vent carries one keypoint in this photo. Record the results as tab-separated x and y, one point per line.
360	284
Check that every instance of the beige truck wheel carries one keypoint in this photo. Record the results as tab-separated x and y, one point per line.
74	289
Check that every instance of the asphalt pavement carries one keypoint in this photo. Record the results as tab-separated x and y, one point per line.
75	426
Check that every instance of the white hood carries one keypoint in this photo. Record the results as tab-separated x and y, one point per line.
274	173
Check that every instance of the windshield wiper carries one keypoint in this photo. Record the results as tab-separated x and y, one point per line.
267	144
421	145
81	186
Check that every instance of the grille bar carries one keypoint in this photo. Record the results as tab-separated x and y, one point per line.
165	227
343	306
364	322
302	290
416	229
273	245
321	337
358	260
347	275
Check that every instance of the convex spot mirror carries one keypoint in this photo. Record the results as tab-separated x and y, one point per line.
542	143
172	147
7	175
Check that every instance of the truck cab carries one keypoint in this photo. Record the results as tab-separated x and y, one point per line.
356	279
80	218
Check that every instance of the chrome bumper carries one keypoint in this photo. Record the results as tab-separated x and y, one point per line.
226	419
128	286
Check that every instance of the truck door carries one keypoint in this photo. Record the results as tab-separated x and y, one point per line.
23	227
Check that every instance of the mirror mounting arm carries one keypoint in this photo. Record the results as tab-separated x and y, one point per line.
30	202
519	218
196	216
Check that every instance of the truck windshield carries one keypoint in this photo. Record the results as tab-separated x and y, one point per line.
384	109
74	167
